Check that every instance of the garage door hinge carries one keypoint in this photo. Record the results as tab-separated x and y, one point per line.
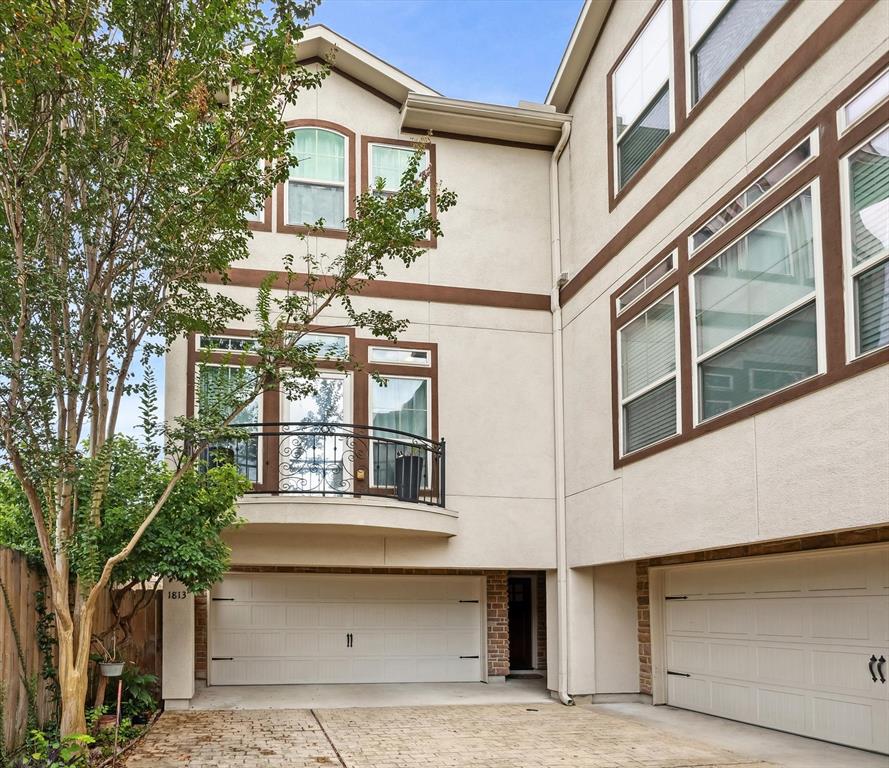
467	601
678	674
469	657
222	658
676	597
219	599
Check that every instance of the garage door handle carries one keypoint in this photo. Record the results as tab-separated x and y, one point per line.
881	662
870	667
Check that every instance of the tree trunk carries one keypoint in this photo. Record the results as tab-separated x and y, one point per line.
74	660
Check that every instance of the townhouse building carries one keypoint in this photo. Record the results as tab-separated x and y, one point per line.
643	399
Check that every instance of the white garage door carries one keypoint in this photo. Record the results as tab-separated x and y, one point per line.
785	642
323	628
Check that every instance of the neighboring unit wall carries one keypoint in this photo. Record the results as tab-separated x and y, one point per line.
799	468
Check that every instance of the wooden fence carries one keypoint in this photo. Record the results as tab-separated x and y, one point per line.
22	585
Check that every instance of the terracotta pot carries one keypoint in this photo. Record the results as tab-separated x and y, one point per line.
106	721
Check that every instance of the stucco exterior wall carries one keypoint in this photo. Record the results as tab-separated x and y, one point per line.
796	469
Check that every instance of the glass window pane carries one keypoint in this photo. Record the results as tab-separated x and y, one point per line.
700	15
727	39
390	163
321	155
770	179
218	386
329	347
869	97
648	347
316	460
650	417
869	198
767	270
639	142
779	355
399	356
307	203
643	71
401	405
872	308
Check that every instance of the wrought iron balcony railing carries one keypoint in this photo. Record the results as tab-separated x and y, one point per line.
331	460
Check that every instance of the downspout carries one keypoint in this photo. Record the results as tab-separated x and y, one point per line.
559	418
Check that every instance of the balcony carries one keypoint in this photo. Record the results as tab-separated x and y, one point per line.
330	461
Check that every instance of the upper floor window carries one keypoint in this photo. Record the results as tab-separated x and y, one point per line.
399	406
866	101
718	32
755	311
400	356
648	392
316	187
866	182
641	91
645	283
257	215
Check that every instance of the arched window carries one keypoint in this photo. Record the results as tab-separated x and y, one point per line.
316	186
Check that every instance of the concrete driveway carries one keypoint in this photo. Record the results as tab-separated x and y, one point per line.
466	736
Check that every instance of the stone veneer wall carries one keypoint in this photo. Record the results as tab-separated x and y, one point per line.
803	544
497	608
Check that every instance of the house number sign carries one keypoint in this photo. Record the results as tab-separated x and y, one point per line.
177	594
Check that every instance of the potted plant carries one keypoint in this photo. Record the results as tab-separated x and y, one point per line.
111	664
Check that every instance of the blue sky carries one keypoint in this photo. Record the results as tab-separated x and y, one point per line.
485	50
498	51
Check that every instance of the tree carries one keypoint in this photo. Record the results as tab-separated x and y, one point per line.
133	136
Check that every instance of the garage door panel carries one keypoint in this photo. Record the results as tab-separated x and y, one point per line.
303	615
784	710
225	614
329	629
795	662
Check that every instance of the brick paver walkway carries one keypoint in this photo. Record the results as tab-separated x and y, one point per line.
491	736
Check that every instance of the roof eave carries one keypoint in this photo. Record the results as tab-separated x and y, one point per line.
580	47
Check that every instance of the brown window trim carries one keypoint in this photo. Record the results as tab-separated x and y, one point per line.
829	32
266	224
366	141
683	114
825	168
361	370
332	232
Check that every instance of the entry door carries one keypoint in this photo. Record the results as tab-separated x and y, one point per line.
800	643
317	460
520	623
322	628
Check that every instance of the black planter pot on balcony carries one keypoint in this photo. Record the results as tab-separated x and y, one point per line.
408	477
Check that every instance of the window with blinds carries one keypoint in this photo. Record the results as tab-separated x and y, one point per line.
866	172
641	91
647	379
755	311
316	187
718	32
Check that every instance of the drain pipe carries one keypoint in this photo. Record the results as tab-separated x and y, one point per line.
559	417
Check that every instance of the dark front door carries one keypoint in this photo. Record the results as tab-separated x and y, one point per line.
520	623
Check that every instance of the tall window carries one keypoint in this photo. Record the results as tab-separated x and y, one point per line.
718	33
641	90
403	405
218	386
648	389
316	188
866	172
755	313
257	215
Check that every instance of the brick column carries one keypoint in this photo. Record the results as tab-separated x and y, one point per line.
541	620
200	636
498	625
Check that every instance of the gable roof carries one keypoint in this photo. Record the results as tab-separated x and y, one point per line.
425	109
319	42
577	53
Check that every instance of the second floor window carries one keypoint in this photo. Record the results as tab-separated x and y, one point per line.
755	311
641	91
648	391
867	241
316	187
718	32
